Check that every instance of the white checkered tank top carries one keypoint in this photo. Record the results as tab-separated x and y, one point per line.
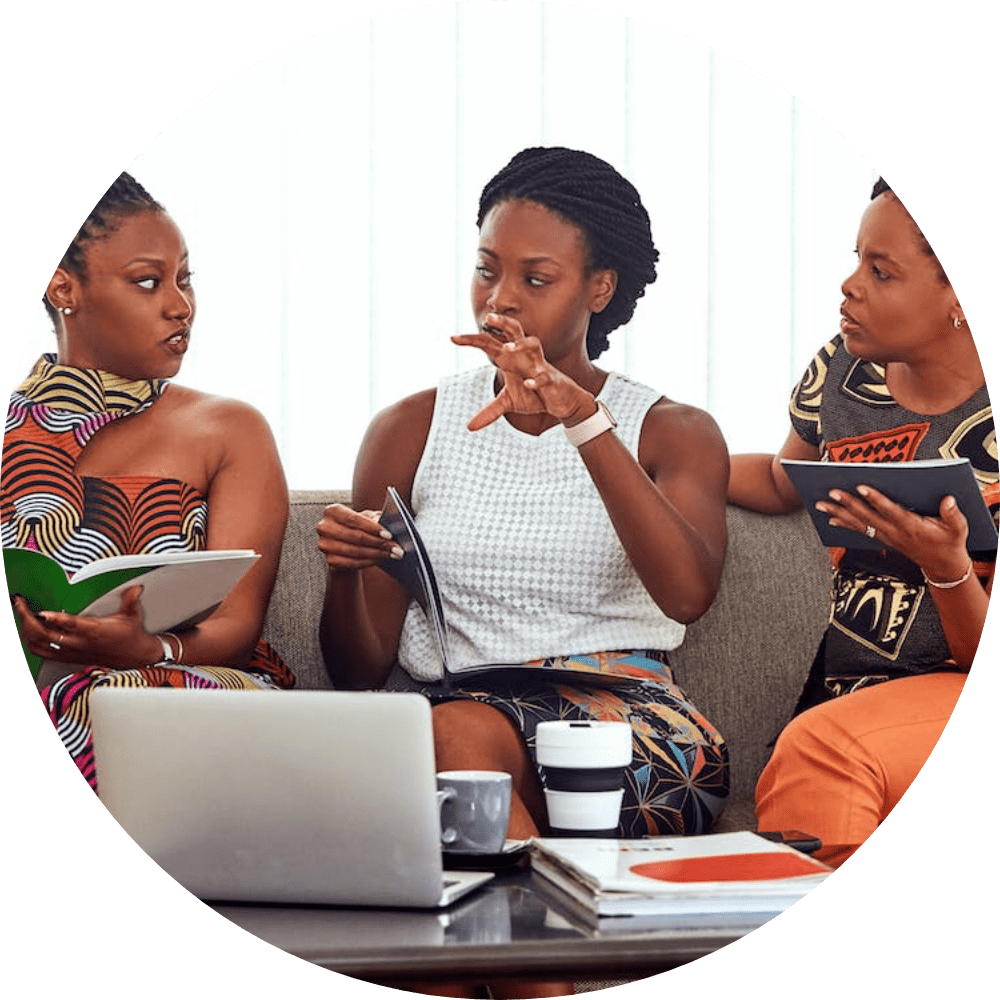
525	555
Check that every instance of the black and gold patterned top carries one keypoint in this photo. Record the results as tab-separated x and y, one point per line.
883	623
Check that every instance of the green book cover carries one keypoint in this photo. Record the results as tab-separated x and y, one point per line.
43	583
180	588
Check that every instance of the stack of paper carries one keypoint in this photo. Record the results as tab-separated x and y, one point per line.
737	878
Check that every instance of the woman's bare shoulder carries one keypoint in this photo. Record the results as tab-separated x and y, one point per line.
672	432
410	416
212	412
392	447
667	416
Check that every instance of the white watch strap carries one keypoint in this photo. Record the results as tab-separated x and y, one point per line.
168	653
587	430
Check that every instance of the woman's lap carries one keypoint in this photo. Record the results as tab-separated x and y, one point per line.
839	768
679	778
68	700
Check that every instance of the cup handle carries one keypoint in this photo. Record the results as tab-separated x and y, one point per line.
448	835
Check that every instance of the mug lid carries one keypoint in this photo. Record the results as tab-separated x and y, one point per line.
583	744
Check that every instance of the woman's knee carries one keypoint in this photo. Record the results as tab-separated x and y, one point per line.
473	734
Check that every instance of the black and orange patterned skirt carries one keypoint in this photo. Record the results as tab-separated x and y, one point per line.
678	782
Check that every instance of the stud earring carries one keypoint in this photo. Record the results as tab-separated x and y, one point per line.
66	311
958	322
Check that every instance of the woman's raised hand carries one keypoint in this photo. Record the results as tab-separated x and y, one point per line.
530	383
351	540
117	640
935	544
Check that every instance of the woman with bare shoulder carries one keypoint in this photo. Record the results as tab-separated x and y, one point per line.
104	456
574	517
901	381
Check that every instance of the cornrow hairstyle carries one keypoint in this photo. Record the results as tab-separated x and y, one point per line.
126	197
881	187
590	194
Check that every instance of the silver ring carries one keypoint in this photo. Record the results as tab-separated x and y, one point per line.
55	646
870	531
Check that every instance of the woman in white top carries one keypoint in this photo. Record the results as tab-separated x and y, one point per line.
588	545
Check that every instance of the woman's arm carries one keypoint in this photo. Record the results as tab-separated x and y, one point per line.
758	482
364	607
248	509
669	508
937	546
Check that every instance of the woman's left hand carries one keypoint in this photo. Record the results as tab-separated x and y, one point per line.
935	544
530	383
116	640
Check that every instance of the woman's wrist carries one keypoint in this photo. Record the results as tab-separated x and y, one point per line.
946	579
150	650
585	407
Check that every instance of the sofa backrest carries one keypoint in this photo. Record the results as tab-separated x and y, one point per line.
745	660
743	663
292	622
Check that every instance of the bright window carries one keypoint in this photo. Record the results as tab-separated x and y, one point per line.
328	197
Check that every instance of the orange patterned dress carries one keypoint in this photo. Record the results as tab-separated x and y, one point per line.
75	519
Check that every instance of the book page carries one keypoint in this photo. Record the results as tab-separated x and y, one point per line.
179	593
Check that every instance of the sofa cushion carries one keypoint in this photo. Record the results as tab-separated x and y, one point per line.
744	662
292	622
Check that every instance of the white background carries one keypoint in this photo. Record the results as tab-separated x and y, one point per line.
328	196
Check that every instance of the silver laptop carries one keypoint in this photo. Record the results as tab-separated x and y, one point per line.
279	796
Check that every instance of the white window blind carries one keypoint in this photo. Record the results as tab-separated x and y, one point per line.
328	197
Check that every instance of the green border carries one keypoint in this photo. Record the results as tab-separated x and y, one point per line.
87	85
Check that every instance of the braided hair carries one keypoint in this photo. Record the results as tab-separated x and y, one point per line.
592	195
881	187
126	197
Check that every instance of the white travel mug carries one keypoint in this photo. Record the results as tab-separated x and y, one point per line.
583	767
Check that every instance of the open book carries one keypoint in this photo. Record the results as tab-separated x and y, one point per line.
919	486
180	588
415	573
729	874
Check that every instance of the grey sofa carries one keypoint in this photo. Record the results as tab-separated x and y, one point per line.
743	663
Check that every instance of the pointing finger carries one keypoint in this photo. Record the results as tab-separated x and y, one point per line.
490	413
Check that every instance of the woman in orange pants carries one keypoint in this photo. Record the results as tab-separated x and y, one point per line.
901	382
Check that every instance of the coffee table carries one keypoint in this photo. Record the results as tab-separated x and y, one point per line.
509	928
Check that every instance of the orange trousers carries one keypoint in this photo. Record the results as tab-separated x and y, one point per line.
839	768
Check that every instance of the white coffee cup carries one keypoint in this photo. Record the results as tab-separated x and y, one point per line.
583	766
475	810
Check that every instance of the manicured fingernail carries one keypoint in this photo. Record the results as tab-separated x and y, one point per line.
863	490
396	552
835	496
387	535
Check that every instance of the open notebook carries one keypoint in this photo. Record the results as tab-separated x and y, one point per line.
416	574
